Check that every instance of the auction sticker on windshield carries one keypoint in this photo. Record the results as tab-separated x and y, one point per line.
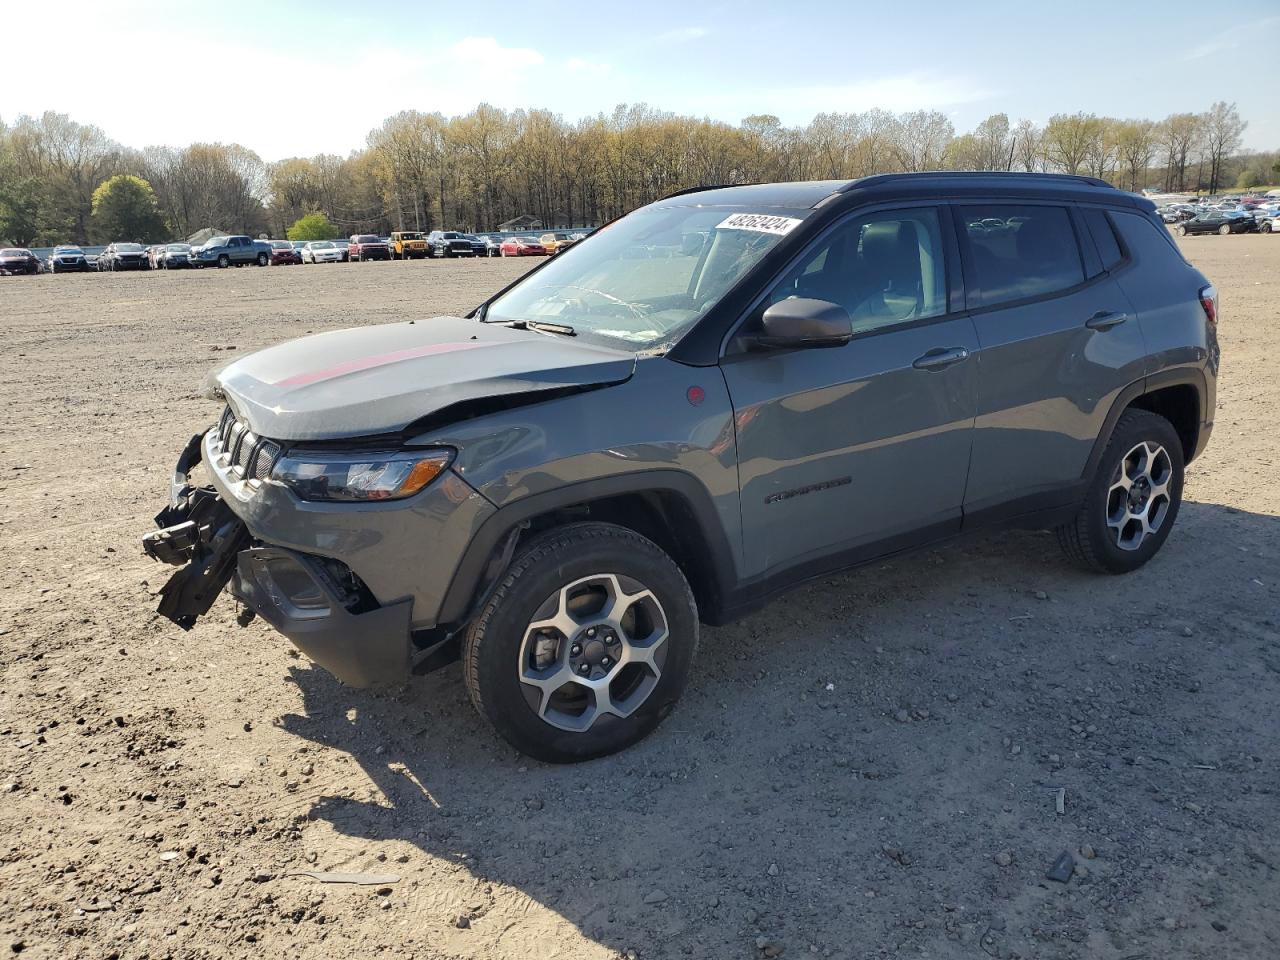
760	223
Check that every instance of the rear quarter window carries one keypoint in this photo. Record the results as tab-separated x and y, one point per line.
1020	252
1145	240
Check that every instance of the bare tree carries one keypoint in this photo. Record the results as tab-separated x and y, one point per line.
1223	130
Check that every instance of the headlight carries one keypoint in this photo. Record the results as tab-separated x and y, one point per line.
359	475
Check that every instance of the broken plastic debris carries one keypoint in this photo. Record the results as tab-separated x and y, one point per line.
1062	867
362	879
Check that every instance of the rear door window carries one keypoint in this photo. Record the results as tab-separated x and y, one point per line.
1020	252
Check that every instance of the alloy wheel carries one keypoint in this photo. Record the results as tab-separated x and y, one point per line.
1138	499
594	649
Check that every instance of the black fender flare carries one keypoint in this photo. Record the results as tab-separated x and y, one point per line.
467	587
1177	376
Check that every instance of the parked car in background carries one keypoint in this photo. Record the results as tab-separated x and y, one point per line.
522	247
18	260
298	245
1217	221
449	243
234	251
322	251
68	259
408	245
574	238
1269	222
283	253
123	256
551	241
174	256
478	247
366	246
492	245
1176	212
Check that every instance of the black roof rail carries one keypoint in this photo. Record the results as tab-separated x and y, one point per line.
878	178
710	186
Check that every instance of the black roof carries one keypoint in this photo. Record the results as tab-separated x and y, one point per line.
939	184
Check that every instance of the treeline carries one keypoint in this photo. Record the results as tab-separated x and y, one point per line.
425	171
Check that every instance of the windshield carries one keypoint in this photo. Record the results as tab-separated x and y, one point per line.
68	250
178	247
410	236
367	240
128	248
217	242
321	245
453	236
649	277
9	252
281	245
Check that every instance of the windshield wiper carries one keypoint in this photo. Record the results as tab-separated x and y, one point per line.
561	328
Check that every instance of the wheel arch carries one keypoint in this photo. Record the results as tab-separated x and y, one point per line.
669	507
1177	395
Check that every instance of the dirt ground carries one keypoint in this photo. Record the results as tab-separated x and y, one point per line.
867	768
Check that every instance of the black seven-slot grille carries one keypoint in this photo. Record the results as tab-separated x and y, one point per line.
251	456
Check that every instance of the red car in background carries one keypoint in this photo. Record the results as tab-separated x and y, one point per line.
522	247
283	252
365	246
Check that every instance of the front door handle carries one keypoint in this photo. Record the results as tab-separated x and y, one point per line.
940	357
1105	320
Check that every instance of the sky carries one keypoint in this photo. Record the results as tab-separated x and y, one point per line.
286	78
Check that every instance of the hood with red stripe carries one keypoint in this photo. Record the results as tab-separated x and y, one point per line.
378	380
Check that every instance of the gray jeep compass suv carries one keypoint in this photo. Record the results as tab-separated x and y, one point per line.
718	396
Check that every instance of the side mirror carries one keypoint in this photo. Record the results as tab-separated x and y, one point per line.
801	322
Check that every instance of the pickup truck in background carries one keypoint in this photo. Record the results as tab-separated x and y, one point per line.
365	246
231	251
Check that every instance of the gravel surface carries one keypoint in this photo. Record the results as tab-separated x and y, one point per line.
884	763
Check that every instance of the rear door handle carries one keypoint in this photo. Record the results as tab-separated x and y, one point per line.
939	357
1105	320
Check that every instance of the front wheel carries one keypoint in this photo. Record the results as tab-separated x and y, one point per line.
1133	499
1224	229
585	645
223	262
1266	227
1181	230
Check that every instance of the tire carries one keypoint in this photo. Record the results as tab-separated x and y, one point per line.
1224	230
1181	230
1266	227
263	260
1090	541
223	262
583	561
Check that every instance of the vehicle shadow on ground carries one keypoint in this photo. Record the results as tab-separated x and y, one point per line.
842	768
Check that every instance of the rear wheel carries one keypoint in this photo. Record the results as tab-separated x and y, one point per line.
1181	230
1224	229
1133	499
584	646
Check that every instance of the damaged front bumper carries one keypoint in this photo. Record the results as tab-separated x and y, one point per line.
317	603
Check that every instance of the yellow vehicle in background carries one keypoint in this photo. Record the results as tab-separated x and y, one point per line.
408	245
553	241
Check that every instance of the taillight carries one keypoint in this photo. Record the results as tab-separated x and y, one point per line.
1209	300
